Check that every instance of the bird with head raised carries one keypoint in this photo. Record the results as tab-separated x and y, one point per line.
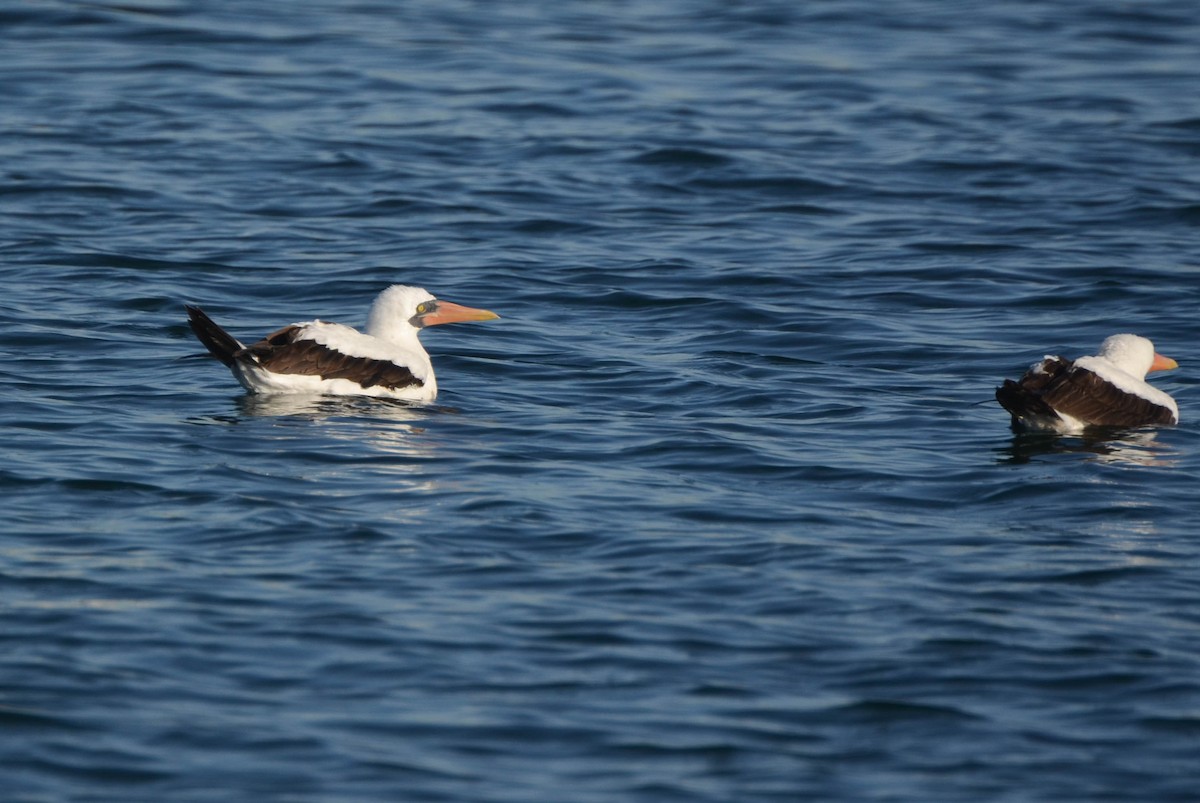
1107	389
386	360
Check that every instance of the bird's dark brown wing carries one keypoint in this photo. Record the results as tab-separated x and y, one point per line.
286	351
1084	395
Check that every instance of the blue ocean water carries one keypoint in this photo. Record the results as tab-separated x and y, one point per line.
721	509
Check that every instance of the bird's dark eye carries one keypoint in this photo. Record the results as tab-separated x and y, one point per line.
424	308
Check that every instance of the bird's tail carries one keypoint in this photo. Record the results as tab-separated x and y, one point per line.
220	343
1022	402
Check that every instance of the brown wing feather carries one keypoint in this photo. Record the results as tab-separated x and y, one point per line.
1086	396
286	352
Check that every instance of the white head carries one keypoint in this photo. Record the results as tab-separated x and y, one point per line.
400	312
391	314
1134	355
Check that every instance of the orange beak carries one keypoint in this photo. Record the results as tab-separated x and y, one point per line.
446	312
1162	363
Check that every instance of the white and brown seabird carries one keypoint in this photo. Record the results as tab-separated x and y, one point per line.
329	358
1108	389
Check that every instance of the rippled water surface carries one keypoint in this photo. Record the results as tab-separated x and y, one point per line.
721	509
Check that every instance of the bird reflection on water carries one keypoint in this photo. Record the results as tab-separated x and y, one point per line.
1105	445
393	429
319	407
